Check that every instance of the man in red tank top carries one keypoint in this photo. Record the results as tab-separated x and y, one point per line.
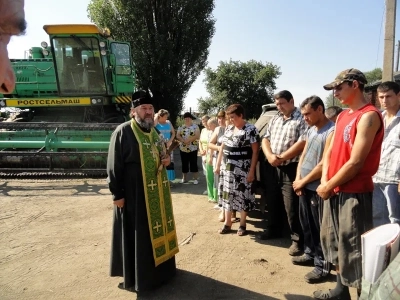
349	164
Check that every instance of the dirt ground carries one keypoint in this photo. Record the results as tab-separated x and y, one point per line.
55	244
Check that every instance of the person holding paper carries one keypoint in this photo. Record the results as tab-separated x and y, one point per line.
386	197
346	183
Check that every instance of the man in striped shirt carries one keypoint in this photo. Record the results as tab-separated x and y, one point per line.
386	197
282	152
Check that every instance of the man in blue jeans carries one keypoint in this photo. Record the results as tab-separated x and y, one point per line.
386	197
309	172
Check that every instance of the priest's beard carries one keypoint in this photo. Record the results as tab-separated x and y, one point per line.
147	123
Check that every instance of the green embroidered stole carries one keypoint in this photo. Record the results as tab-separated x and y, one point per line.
157	195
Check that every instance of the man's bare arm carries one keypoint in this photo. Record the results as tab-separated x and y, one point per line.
293	151
298	183
298	176
326	158
271	157
266	147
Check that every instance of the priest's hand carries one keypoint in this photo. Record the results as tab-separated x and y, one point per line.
166	160
119	203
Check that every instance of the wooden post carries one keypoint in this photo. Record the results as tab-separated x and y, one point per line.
388	50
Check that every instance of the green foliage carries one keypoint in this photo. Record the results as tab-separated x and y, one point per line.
332	101
373	75
250	84
169	41
252	121
179	122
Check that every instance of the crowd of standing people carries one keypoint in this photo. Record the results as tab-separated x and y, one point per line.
336	171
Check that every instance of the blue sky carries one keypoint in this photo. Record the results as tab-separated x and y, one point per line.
311	41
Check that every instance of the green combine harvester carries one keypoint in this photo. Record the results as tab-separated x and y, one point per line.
69	97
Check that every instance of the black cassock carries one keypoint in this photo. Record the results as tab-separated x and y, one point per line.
131	248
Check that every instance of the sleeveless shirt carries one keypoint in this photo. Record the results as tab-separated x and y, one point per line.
345	135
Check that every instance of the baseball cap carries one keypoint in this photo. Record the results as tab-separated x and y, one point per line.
346	75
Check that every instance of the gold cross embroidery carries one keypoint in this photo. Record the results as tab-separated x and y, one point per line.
157	227
147	145
152	185
154	153
165	182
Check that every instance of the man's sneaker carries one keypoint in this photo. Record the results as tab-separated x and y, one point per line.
315	277
183	181
303	260
195	182
295	250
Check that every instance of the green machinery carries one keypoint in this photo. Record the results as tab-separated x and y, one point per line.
69	97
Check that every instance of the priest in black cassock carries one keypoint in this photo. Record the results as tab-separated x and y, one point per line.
144	241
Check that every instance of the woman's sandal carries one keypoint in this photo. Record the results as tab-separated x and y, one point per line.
224	230
241	231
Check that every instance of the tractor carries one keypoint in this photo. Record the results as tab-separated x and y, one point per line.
70	95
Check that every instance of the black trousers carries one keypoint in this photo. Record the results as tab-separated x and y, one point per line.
278	189
286	176
189	162
275	215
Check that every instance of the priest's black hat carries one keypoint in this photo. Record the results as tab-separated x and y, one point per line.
141	97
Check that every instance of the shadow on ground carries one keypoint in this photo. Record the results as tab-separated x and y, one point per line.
99	188
182	287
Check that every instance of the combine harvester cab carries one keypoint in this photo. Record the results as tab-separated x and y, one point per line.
69	97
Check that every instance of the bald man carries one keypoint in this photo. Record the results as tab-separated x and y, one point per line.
12	22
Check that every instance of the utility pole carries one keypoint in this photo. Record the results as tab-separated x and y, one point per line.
388	50
397	56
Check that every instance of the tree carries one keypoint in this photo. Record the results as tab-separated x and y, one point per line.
373	75
332	101
169	41
250	84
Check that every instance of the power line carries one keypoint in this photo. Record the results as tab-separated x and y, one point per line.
380	34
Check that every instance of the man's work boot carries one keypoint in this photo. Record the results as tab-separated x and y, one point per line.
315	276
303	260
295	250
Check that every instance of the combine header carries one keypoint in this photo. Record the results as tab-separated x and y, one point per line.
69	97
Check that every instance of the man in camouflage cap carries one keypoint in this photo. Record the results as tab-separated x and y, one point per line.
348	75
349	163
